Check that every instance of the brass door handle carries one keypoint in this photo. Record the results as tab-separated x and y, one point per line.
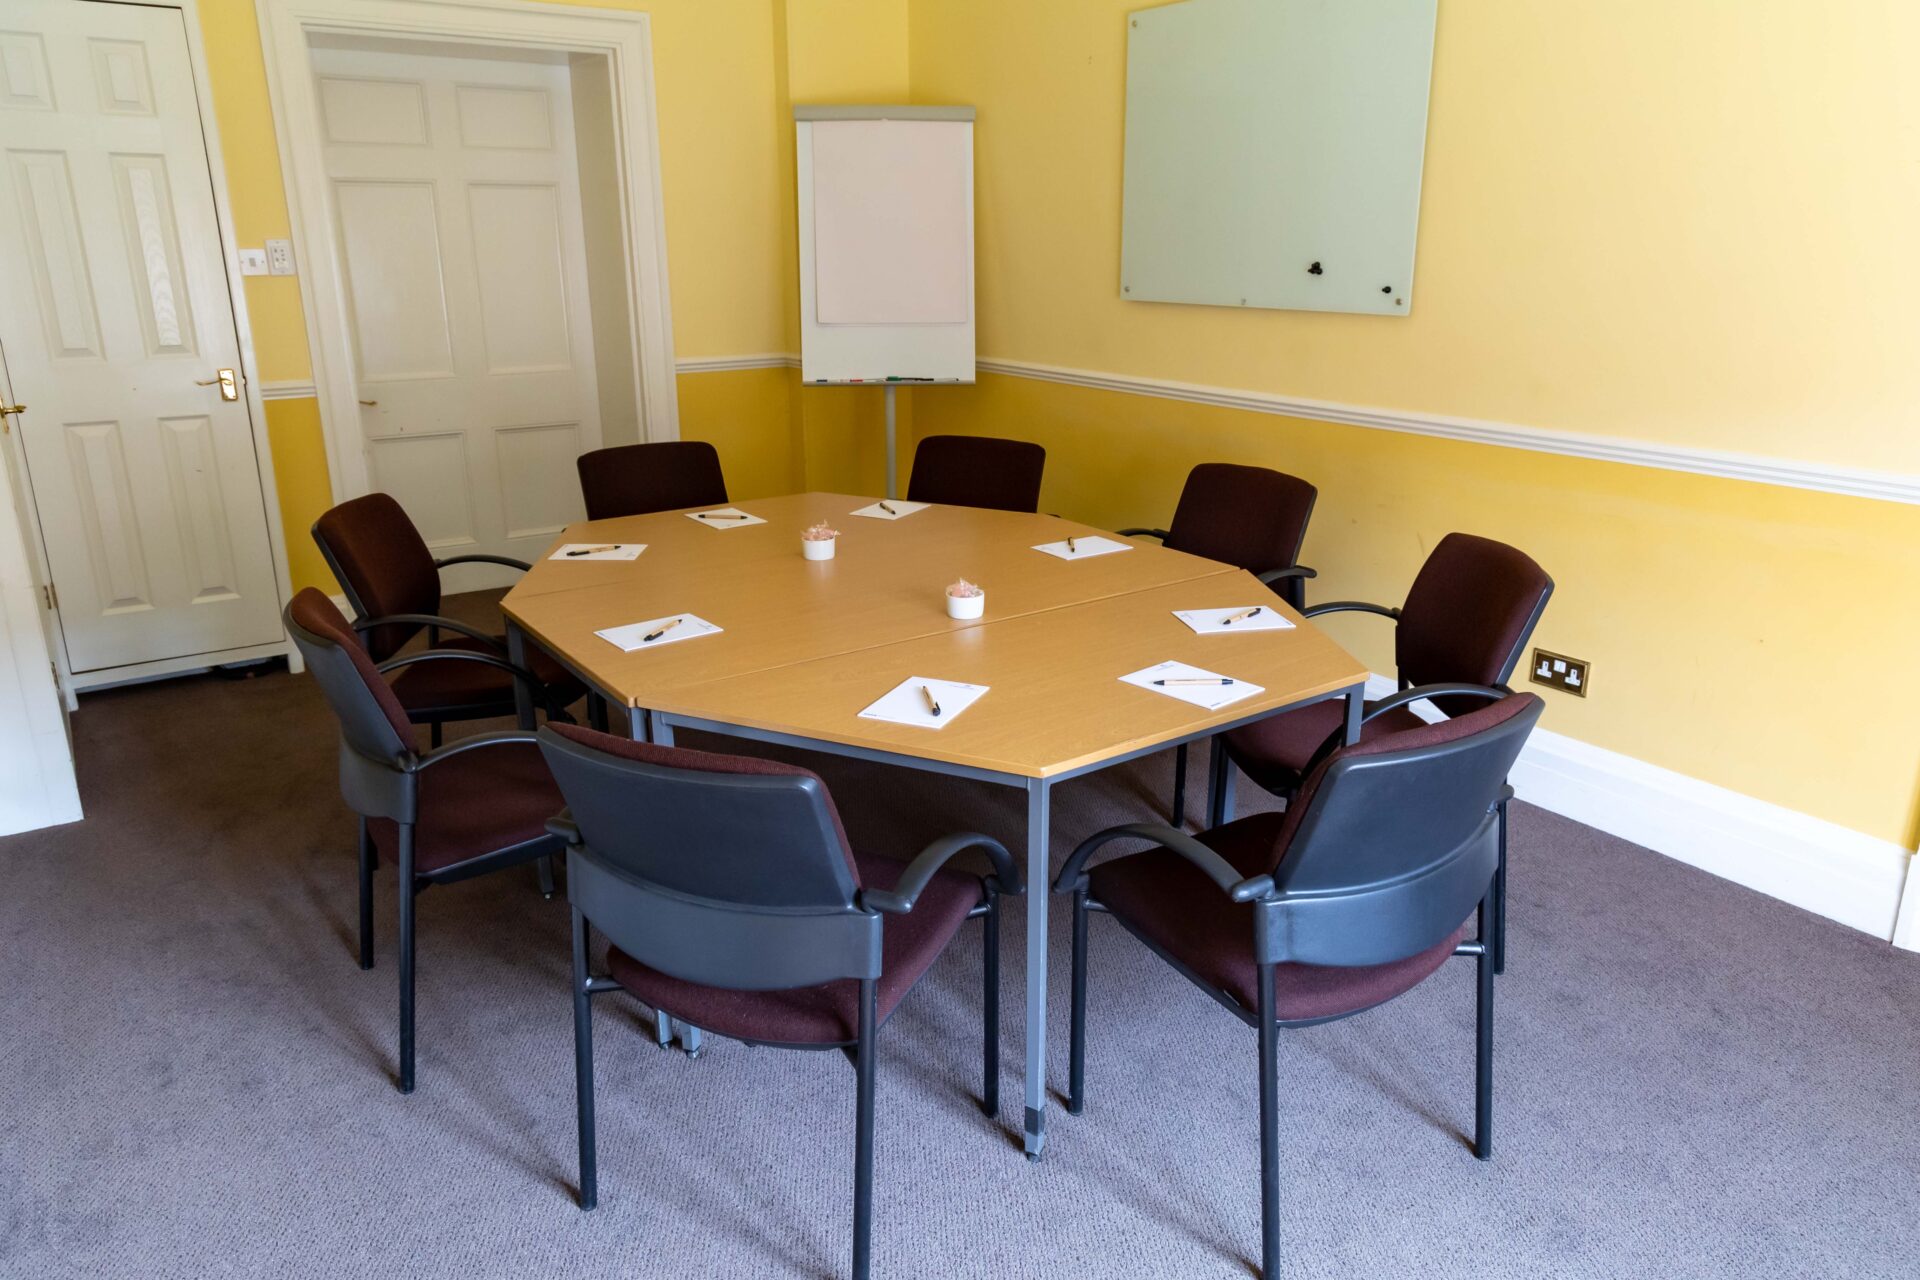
224	379
369	403
8	410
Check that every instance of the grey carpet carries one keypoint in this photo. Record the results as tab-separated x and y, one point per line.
1693	1080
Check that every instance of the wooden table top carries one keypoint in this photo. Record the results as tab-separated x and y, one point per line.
1056	702
886	583
808	644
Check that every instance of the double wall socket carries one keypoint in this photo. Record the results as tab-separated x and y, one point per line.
1557	671
274	260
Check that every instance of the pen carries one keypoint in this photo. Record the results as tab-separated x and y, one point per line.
889	510
1240	616
1071	549
594	551
651	636
1185	680
928	695
702	515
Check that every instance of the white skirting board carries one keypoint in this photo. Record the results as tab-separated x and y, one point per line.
1814	864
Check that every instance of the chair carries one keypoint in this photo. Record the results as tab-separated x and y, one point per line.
1467	619
393	583
734	903
977	471
478	805
1249	517
635	479
1355	895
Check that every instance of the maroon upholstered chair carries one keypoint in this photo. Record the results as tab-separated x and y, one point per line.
1357	893
1249	517
478	805
1467	619
636	479
977	471
393	583
734	903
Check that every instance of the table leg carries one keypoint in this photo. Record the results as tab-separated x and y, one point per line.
666	1028
1356	707
1038	886
517	655
638	724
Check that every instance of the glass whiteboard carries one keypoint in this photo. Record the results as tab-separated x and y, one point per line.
1273	153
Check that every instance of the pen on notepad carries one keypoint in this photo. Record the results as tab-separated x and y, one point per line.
1071	549
702	515
651	636
1241	616
594	551
889	510
1195	680
931	704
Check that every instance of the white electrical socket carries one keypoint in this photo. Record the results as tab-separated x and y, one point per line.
253	262
280	257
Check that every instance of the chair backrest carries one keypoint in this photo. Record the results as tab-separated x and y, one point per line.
375	733
383	564
977	471
1249	517
724	870
1469	614
1393	842
635	479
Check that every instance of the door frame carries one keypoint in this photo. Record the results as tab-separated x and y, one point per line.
251	386
623	37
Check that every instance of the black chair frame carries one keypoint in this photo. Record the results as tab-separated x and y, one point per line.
766	948
1309	928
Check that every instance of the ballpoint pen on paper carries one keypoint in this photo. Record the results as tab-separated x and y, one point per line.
1241	616
594	551
932	706
702	515
1071	549
1194	680
889	510
651	636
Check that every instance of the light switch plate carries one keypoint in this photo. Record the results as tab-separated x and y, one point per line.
280	257
253	262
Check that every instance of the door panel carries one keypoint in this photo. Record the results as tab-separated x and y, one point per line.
457	208
146	484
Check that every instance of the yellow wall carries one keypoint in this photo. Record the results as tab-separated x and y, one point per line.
1654	220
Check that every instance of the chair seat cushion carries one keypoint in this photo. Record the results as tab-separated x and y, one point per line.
827	1014
478	802
474	690
1275	751
1175	907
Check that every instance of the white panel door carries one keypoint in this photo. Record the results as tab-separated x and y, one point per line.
115	308
456	202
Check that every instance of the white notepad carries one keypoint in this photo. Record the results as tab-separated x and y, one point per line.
906	704
1210	696
1213	622
633	636
1084	548
620	551
724	518
901	508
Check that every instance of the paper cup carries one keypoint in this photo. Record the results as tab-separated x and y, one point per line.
965	607
817	548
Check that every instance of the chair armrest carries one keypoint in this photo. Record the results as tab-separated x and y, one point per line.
479	741
1350	606
562	825
1333	742
1141	533
510	563
1272	576
899	900
1217	869
539	691
430	620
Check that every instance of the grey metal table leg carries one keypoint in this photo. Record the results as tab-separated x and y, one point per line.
637	725
517	655
1038	884
662	734
1356	707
